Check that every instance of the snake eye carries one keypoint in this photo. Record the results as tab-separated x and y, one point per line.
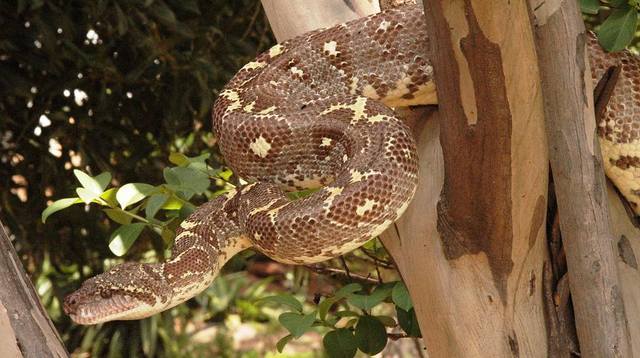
105	294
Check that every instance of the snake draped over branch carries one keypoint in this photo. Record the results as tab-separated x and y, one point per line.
315	112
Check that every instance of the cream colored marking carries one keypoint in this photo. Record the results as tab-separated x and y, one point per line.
358	108
273	83
333	192
249	108
402	208
260	147
357	176
325	142
626	180
232	96
263	208
370	92
253	65
276	50
380	228
384	25
257	236
184	234
330	48
268	110
188	224
425	94
296	71
345	158
378	118
368	205
353	86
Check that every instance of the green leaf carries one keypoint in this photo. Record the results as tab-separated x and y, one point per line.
110	197
387	321
371	335
124	236
297	323
400	296
408	322
283	299
340	344
86	195
155	202
132	193
179	159
618	29
347	313
173	204
186	178
103	180
59	205
88	182
590	6
325	306
283	342
118	215
366	302
347	290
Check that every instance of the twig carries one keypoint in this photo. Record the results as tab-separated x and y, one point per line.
382	263
330	271
346	268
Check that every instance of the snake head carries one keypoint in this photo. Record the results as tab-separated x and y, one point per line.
127	291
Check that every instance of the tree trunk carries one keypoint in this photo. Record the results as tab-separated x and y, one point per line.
579	181
25	328
483	258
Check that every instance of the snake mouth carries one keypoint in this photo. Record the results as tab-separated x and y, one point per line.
96	310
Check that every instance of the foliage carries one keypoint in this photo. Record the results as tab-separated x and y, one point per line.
348	318
618	29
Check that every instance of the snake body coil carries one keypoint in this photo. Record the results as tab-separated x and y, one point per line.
313	112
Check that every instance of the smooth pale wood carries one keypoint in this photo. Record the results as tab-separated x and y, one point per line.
457	301
579	181
35	335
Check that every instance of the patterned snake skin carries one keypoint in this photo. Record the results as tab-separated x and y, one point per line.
313	112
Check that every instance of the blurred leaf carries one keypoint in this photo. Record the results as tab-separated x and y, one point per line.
366	302
59	205
103	180
297	323
110	197
340	343
124	236
590	6
347	290
283	299
371	335
618	29
155	202
89	183
387	321
132	193
172	203
185	178
87	195
325	306
408	322
400	296
118	215
283	342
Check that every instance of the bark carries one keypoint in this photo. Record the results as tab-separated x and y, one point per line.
25	328
481	236
482	289
579	181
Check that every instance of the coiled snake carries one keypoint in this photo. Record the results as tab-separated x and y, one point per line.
314	112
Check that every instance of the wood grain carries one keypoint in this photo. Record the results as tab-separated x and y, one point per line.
580	185
35	335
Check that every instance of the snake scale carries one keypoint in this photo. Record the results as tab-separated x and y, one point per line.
315	112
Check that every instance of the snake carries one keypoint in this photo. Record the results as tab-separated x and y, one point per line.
317	112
